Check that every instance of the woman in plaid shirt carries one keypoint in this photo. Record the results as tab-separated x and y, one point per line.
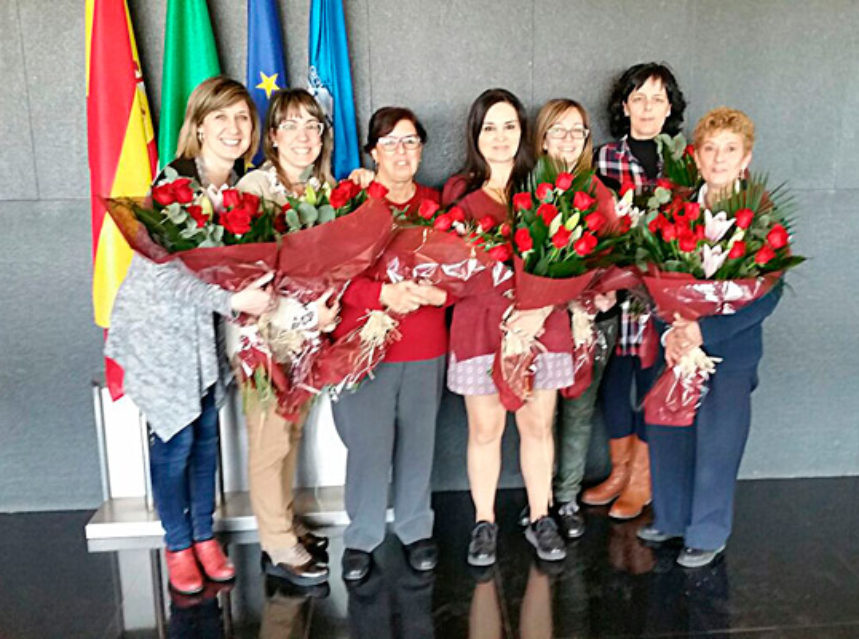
645	102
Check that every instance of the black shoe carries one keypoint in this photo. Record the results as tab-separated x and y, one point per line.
422	554
653	535
525	516
356	564
309	573
570	520
543	535
281	588
481	548
698	558
316	546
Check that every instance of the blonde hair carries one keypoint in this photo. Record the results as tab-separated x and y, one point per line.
725	119
279	107
550	113
211	95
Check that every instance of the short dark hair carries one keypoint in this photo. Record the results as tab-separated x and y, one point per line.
631	80
385	119
476	170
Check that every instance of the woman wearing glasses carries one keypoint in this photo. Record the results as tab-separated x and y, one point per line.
645	102
388	424
297	147
563	133
498	157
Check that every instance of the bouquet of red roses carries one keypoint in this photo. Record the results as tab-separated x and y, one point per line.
564	223
698	263
230	239
436	247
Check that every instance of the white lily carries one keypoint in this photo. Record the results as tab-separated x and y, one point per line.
712	258
715	226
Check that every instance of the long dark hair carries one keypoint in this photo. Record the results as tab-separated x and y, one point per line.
476	169
631	80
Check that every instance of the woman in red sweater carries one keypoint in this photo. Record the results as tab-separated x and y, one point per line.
389	422
498	158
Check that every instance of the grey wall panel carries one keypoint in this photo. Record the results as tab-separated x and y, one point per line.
17	162
48	456
54	58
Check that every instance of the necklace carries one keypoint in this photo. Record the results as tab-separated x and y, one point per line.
496	193
205	182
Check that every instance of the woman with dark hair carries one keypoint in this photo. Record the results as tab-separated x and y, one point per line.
498	157
388	424
164	333
297	147
645	102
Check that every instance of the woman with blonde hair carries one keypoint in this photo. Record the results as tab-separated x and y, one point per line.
164	333
297	145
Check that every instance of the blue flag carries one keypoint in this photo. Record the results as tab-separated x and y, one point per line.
330	81
266	69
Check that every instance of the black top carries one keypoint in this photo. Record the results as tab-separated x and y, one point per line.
646	153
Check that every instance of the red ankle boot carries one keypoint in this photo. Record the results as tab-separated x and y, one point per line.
216	564
183	573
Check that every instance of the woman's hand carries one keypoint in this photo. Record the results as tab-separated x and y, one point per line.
254	299
362	177
528	324
604	302
327	312
402	297
432	295
689	330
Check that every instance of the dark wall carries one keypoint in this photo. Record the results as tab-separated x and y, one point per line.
792	66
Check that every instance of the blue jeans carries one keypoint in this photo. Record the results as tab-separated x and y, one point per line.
621	417
183	477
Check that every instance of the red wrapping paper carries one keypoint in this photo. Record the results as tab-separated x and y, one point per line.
673	400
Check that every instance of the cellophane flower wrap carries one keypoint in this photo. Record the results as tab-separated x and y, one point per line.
697	262
230	239
562	226
436	247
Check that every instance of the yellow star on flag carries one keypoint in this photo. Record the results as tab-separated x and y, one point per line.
268	84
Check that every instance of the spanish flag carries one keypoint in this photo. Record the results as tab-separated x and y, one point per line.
121	141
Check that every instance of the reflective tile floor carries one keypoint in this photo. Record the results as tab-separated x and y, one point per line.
791	570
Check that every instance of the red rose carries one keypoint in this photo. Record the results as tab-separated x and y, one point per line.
377	191
564	181
744	218
163	194
700	232
237	221
547	212
505	230
764	255
251	203
692	210
475	239
561	238
595	221
682	223
665	183
280	224
286	207
656	223
626	186
777	237
354	189
522	201
443	222
486	223
182	190
585	244
582	201
544	190
689	150
738	249
502	252
669	232
456	214
340	194
427	209
687	242
523	240
625	224
196	212
232	198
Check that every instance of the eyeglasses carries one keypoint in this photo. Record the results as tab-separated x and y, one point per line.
312	128
558	132
389	143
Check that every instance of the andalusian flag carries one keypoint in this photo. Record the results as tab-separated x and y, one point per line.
266	69
121	143
190	57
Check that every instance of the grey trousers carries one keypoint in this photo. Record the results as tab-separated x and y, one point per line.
575	417
388	427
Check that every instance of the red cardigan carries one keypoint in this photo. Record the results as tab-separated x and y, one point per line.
424	332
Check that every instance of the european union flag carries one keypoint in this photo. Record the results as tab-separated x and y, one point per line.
330	80
266	69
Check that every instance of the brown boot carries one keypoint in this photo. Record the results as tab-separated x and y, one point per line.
621	451
637	493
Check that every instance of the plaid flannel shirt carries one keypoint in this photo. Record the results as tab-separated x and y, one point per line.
616	161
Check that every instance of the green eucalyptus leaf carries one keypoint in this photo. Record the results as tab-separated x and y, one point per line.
292	220
326	213
175	213
307	213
